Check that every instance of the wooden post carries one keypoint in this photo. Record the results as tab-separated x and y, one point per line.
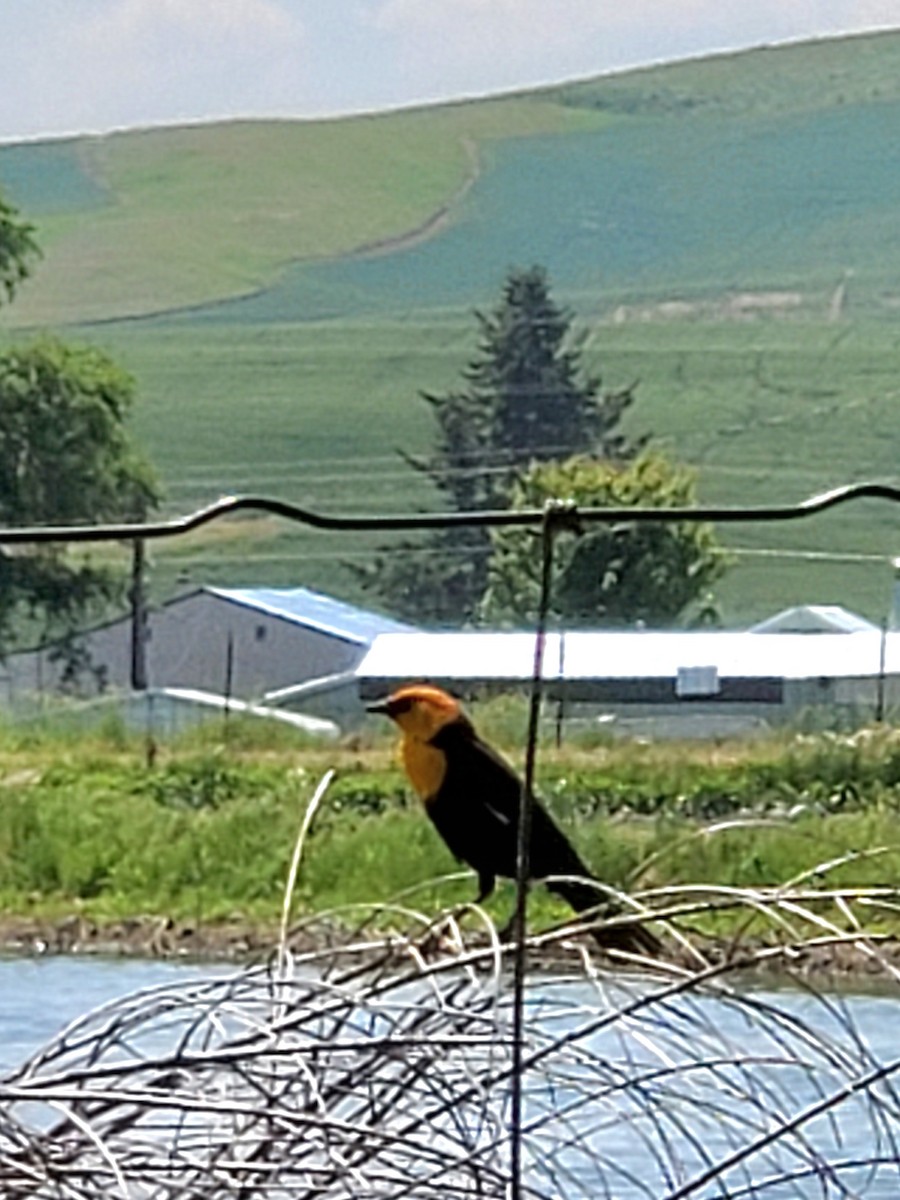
229	672
138	619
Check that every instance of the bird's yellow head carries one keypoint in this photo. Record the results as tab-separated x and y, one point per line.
420	710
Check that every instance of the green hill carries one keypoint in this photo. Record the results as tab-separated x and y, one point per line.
775	165
727	229
150	220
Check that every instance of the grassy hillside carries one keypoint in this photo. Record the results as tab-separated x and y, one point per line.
726	230
150	220
634	213
768	81
768	166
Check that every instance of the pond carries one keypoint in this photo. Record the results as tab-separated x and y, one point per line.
654	1088
38	996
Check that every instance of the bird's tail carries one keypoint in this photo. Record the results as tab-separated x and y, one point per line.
582	895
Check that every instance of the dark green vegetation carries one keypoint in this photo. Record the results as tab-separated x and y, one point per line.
65	459
209	832
728	229
522	401
17	250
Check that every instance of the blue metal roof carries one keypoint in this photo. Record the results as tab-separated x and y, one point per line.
313	610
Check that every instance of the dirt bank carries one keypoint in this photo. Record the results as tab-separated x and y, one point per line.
836	962
137	937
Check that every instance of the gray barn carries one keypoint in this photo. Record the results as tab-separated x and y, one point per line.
241	642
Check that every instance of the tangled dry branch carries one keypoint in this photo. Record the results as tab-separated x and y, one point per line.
381	1068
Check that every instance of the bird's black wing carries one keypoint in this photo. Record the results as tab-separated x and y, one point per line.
477	809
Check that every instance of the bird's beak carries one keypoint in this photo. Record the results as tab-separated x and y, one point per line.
380	706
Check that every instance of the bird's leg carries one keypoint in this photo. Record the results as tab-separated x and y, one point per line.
486	882
505	934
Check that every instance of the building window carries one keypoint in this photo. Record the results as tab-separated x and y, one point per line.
261	632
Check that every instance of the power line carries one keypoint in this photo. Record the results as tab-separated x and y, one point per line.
204	559
497	458
811	555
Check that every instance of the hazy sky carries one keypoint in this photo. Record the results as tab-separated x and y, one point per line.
76	65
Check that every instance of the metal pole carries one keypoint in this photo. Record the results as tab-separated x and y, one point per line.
229	672
552	515
561	703
882	658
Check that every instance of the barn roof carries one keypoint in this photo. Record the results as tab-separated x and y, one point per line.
313	610
815	618
629	655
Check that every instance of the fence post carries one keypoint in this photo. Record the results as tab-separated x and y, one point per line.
138	618
555	515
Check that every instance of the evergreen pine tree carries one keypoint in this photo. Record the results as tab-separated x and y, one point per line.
525	397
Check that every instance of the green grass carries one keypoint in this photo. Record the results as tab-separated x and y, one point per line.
767	81
637	210
201	213
85	825
789	405
51	178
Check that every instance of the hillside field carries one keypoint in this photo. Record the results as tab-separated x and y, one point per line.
727	233
767	411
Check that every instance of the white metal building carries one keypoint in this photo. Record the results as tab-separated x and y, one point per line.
766	675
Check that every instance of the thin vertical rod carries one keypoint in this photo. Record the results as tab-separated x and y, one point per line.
523	849
137	599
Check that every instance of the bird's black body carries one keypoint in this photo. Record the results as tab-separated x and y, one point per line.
476	811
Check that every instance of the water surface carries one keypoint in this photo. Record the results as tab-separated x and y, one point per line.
640	1102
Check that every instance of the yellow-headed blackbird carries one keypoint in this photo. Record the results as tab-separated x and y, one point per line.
473	797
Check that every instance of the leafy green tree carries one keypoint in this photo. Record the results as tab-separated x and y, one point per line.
525	397
607	574
65	458
17	249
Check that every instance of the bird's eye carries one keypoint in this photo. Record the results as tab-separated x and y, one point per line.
404	704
